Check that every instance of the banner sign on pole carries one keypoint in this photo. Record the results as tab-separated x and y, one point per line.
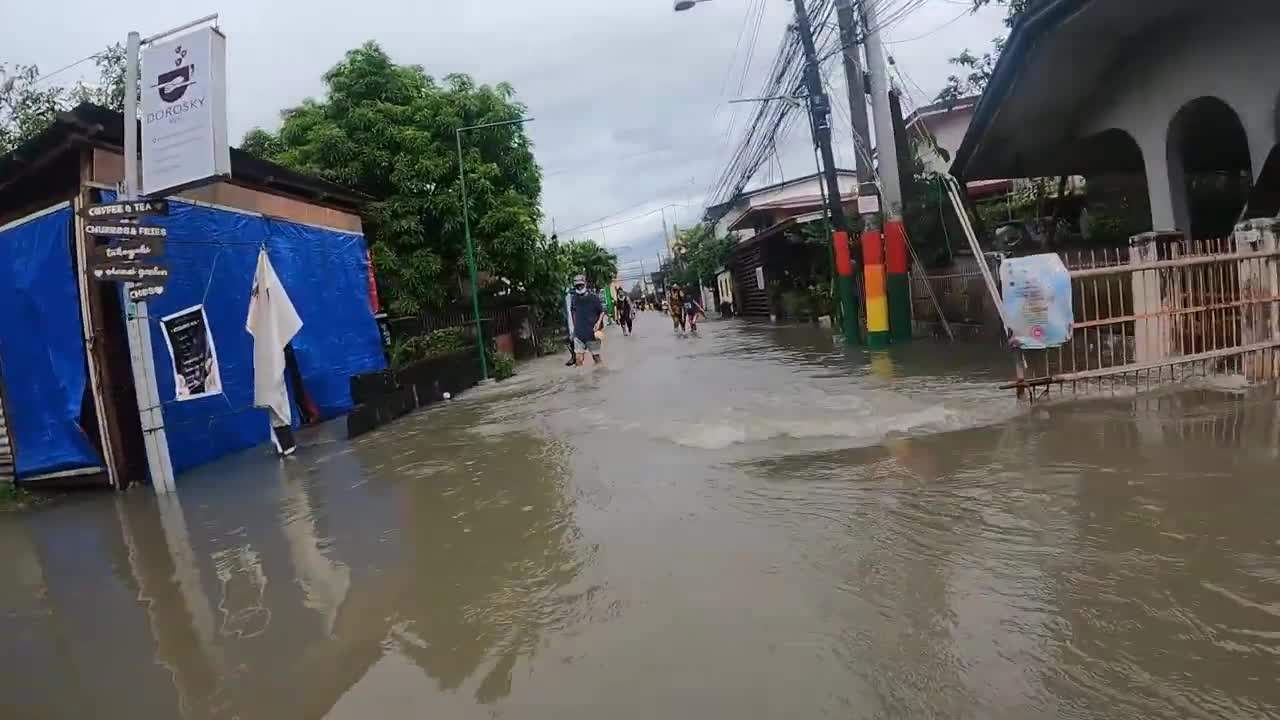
195	360
125	209
1037	301
184	112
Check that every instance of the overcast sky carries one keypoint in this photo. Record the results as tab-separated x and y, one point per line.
628	96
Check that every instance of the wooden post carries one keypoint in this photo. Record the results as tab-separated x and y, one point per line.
90	309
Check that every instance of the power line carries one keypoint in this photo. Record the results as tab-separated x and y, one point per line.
772	120
897	15
932	32
595	225
67	67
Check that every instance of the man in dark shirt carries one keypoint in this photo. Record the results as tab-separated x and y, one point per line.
588	321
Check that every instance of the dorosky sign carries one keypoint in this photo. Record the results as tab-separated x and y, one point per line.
184	112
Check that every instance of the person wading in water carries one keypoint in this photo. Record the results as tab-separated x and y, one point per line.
588	322
691	311
675	303
626	313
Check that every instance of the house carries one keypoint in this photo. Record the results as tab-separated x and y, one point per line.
1175	100
765	221
936	131
66	372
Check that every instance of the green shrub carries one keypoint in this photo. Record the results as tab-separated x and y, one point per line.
504	366
445	342
552	344
14	498
433	344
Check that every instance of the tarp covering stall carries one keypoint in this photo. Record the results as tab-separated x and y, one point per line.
211	254
42	352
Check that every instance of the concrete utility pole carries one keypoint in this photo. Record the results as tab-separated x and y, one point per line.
892	255
820	112
855	81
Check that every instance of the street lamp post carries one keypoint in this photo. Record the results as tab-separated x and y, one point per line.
471	250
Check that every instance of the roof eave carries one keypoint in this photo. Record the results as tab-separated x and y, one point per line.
1021	41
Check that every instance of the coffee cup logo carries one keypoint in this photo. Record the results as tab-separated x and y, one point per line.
173	84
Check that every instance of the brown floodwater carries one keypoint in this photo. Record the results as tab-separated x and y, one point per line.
748	524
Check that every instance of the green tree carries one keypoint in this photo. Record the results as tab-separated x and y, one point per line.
549	279
29	103
598	264
388	130
976	70
701	253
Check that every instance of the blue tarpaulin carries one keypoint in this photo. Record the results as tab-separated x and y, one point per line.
42	346
211	255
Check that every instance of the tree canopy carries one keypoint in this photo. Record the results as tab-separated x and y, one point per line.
700	254
976	70
388	130
30	102
598	264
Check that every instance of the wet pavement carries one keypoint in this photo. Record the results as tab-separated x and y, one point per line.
747	524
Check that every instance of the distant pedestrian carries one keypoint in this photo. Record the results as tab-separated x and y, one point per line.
626	313
691	312
588	322
675	303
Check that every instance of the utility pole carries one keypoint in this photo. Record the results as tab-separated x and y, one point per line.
855	81
820	112
666	236
872	240
138	324
893	257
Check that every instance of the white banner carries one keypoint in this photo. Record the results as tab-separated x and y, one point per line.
184	112
1037	301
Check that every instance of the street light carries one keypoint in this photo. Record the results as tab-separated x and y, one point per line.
471	250
682	5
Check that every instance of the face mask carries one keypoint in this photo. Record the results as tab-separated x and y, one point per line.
580	290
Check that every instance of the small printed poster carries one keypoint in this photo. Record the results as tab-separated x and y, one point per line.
760	278
1037	301
195	359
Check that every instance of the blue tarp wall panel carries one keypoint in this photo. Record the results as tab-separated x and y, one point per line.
42	346
212	255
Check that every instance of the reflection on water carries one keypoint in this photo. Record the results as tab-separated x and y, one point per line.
753	523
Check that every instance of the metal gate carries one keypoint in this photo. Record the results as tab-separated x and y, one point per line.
1167	310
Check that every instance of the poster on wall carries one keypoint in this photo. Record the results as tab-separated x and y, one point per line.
1037	301
184	111
195	360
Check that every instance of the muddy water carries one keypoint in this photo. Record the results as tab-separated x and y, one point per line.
750	524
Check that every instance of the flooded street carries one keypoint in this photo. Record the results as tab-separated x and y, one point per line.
748	524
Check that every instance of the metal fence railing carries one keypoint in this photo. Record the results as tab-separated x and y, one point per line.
1166	310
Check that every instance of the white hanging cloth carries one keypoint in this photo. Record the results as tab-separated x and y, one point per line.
272	322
